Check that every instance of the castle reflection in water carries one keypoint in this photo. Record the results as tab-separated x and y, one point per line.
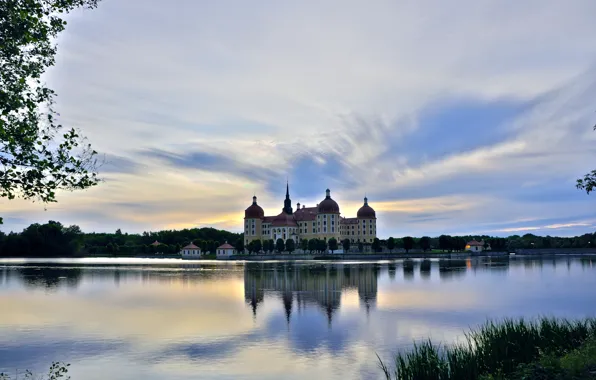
300	285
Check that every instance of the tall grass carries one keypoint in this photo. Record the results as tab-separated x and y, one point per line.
497	348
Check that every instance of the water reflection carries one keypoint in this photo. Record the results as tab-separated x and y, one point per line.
320	285
256	320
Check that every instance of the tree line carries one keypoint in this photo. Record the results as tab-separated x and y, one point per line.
53	239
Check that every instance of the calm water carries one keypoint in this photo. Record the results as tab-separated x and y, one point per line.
168	319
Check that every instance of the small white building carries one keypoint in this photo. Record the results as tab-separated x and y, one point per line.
475	246
224	251
191	250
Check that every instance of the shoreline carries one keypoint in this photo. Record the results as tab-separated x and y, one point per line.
319	257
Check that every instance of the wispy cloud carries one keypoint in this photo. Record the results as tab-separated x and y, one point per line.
491	109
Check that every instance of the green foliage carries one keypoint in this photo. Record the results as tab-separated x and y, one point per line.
333	245
304	245
346	245
588	183
290	245
321	245
376	245
312	245
425	243
280	246
390	244
408	243
38	157
360	247
53	239
511	349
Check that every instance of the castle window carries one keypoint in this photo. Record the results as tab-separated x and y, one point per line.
324	222
352	232
332	222
332	229
313	231
325	229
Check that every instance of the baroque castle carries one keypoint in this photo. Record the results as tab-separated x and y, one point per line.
323	221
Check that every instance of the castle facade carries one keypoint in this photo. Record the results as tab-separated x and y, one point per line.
322	221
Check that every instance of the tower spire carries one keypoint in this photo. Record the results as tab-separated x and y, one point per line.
288	202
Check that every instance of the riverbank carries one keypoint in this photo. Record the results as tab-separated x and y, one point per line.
344	257
511	349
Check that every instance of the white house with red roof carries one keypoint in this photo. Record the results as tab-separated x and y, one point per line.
191	250
224	251
476	246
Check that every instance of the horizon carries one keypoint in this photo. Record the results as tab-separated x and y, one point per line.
471	125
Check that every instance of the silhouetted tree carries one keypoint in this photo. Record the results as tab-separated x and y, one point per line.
312	245
280	246
376	245
333	245
290	245
408	243
425	243
346	245
304	245
390	244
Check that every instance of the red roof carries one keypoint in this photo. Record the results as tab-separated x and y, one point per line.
191	246
225	246
305	214
348	221
475	243
268	219
284	220
155	243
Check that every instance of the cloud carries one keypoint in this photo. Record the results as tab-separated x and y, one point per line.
201	109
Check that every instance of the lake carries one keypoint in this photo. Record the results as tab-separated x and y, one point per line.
172	319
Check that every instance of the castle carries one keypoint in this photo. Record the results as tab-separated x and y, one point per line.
323	221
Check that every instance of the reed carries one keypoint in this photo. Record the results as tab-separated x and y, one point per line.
495	348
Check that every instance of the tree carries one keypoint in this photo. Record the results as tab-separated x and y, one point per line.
408	243
270	246
280	246
588	183
312	245
346	245
360	247
390	244
321	245
290	245
444	242
333	246
376	245
304	245
258	246
425	243
37	156
240	245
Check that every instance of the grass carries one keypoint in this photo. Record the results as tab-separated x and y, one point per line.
504	350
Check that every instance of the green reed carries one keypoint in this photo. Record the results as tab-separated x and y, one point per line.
495	348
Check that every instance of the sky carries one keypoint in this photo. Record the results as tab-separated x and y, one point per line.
472	118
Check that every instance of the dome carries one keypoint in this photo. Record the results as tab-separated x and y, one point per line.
328	206
366	211
254	211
